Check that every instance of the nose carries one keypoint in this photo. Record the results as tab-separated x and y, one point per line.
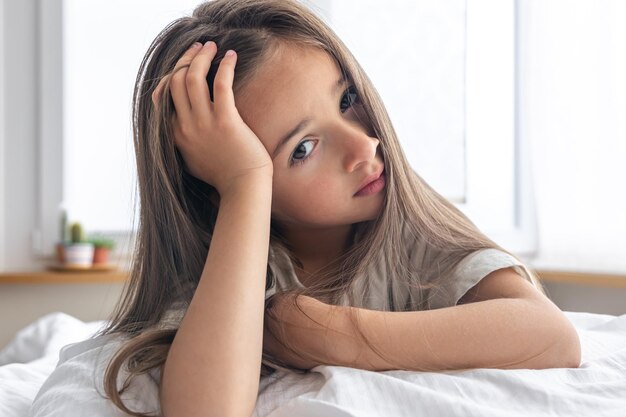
358	148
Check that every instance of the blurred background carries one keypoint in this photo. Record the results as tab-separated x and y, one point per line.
513	110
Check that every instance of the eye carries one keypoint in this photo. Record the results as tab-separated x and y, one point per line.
349	98
294	161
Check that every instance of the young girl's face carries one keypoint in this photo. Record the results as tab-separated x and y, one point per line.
320	168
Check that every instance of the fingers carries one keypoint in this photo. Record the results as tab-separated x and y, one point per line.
182	63
188	82
196	80
156	94
223	96
178	85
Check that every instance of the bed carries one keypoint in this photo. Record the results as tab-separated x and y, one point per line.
596	388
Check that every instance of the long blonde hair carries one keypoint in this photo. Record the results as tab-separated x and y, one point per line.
178	212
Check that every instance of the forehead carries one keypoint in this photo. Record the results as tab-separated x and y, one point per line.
285	90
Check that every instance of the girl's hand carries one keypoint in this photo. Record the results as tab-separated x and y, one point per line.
294	329
308	336
217	146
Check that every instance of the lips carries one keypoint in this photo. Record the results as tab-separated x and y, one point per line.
371	179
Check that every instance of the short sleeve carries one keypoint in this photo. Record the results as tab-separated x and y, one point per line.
173	316
470	271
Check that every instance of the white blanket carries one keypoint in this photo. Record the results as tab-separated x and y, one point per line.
597	388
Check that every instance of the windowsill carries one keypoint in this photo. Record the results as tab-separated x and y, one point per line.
80	277
54	277
591	279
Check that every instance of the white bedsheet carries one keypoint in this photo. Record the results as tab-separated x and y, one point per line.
27	360
597	388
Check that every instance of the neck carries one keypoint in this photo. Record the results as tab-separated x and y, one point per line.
316	247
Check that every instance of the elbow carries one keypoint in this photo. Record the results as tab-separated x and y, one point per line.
566	347
562	351
567	350
574	349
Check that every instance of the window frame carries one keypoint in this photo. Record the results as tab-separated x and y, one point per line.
3	169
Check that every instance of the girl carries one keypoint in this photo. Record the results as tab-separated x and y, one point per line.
275	170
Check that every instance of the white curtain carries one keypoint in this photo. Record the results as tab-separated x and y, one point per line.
573	113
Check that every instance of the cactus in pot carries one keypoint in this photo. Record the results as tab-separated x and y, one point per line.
77	233
78	252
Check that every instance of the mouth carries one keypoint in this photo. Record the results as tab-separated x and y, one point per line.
372	183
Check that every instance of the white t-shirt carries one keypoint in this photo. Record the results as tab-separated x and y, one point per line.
384	294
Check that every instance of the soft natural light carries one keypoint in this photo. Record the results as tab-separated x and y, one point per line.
100	66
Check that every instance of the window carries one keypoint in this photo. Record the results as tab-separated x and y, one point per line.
90	57
449	88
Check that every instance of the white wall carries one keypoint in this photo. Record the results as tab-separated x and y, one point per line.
587	298
21	304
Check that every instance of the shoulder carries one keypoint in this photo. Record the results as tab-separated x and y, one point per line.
492	273
501	283
450	278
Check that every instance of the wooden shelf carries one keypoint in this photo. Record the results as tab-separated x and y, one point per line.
81	277
55	277
584	278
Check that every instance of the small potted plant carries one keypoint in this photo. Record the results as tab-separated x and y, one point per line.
102	249
78	252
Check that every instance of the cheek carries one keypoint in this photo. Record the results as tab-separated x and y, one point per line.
310	199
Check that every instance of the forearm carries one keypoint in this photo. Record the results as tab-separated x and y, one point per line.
498	333
215	359
505	333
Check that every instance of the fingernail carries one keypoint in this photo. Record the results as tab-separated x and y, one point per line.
195	45
230	52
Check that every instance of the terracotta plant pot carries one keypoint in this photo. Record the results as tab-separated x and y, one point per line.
60	252
101	255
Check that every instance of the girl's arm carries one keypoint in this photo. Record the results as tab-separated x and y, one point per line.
214	363
513	326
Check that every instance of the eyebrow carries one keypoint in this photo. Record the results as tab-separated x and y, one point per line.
305	122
